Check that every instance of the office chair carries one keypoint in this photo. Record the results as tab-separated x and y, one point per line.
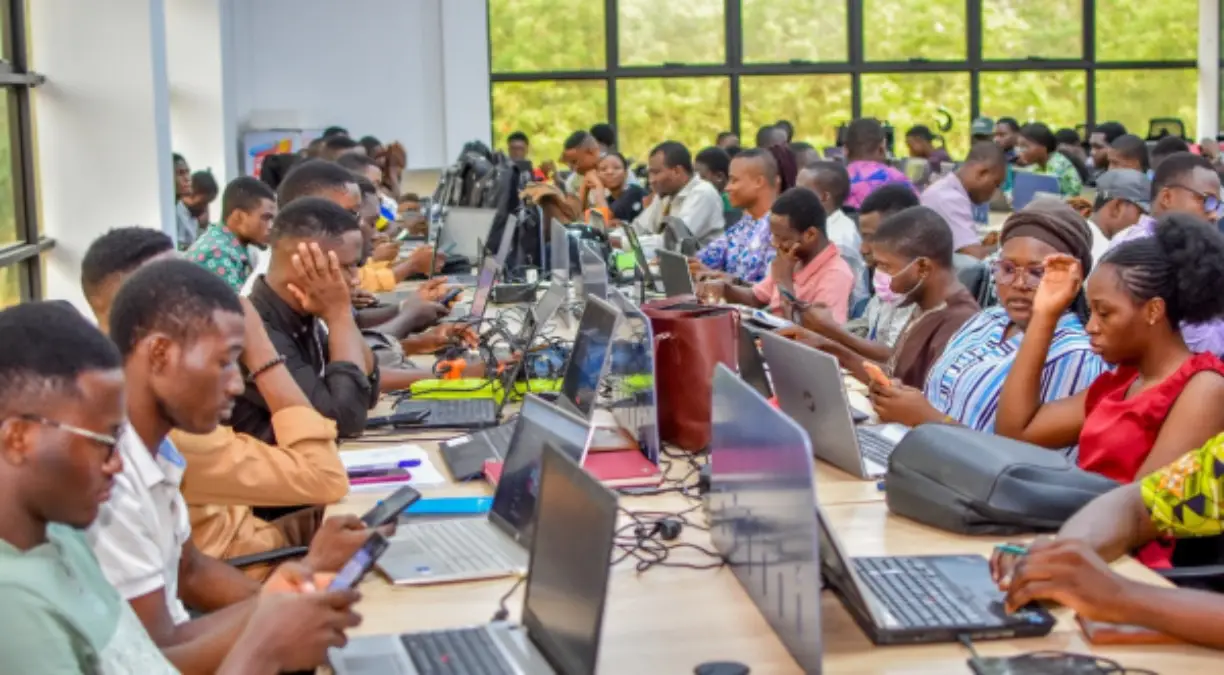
1159	127
678	237
1198	563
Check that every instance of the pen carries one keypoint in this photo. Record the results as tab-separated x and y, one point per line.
402	464
1012	549
371	480
880	486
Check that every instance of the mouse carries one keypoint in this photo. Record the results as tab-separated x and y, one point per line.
721	668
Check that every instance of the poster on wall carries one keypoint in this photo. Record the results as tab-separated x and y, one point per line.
256	145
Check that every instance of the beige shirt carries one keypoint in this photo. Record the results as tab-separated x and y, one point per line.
698	204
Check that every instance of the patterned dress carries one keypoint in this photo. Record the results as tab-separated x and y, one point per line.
1184	497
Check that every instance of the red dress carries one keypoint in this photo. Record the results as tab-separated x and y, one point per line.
1119	432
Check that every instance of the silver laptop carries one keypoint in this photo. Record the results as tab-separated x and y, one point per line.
465	549
674	269
463	229
567	587
594	272
560	245
810	390
480	297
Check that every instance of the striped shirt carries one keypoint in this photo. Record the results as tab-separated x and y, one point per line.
966	381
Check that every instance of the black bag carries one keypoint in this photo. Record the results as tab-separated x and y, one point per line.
970	482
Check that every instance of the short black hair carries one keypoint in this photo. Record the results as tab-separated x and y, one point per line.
517	136
723	135
624	162
674	155
786	126
309	178
119	251
365	186
605	134
863	137
802	209
204	183
335	131
1176	168
889	199
1182	263
769	165
355	162
340	143
244	192
48	346
833	176
715	158
917	232
733	150
175	297
986	152
1040	134
1110	130
920	131
764	135
370	143
801	146
1067	136
1166	147
179	158
1132	147
275	167
578	139
313	217
1009	122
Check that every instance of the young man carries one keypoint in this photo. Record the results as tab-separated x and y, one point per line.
247	209
1128	152
1007	136
334	146
62	402
605	135
726	139
831	182
714	166
228	472
914	247
1165	147
1123	197
787	128
361	165
981	129
518	146
679	192
865	156
806	267
921	144
581	154
769	136
1099	141
743	251
885	315
954	196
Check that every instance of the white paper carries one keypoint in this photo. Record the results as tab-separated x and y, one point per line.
424	474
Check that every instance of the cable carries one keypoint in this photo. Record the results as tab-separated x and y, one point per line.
650	539
1053	662
503	612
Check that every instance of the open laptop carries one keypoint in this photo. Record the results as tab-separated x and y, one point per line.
567	588
920	599
810	390
674	269
1026	185
494	546
474	313
463	229
594	272
559	244
751	366
630	378
648	278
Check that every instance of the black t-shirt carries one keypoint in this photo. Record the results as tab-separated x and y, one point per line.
628	205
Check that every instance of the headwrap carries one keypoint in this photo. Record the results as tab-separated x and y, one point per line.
1052	221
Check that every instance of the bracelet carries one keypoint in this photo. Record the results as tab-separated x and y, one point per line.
280	358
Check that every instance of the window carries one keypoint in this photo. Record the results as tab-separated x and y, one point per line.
654	33
1133	97
815	104
547	112
906	30
1127	30
691	110
528	36
782	31
906	99
1022	29
1054	97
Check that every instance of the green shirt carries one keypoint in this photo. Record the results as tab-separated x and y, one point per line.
1069	183
218	250
61	616
1184	497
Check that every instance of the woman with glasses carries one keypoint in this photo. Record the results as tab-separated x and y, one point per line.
962	387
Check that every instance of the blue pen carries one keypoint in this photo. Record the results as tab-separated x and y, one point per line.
880	485
402	464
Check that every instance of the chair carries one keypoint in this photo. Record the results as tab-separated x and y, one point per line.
678	237
1159	127
1198	563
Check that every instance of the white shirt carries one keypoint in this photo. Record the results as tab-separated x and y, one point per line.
842	231
1100	243
698	204
139	534
259	267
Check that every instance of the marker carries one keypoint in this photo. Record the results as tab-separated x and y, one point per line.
1012	549
370	468
372	480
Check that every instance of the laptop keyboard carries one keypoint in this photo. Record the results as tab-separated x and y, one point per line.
465	650
916	594
468	412
874	446
462	546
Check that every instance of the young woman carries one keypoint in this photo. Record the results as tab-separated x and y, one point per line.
1038	149
962	387
619	199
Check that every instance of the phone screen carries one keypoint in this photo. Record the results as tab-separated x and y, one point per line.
361	562
391	507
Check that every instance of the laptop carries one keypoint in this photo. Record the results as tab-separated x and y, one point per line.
567	588
648	278
1027	185
559	243
462	230
631	379
674	269
594	272
751	366
474	312
464	549
923	599
810	391
678	237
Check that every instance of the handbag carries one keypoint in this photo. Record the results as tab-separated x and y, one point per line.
971	482
690	340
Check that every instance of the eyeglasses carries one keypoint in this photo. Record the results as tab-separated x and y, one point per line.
1005	273
1211	203
108	442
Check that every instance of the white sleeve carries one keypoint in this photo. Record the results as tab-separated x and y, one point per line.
642	224
127	551
703	214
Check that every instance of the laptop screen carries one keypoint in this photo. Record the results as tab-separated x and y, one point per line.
560	245
631	377
751	367
642	263
567	579
762	512
539	423
484	285
673	267
589	355
594	272
507	239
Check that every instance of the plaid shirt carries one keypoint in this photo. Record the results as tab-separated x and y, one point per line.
218	250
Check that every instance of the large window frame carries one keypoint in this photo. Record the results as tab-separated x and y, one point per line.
856	64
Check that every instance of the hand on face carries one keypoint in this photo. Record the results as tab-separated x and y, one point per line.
321	288
1059	285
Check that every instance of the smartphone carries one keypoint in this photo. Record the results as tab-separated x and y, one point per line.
451	296
390	508
876	374
788	296
355	569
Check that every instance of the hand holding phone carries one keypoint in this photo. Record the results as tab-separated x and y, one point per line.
451	296
362	561
876	374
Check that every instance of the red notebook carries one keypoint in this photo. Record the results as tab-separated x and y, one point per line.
627	468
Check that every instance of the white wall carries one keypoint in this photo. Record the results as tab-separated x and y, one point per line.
194	64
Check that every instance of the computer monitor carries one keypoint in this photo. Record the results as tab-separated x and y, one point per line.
762	503
631	377
588	357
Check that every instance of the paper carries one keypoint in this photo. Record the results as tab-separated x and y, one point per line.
424	474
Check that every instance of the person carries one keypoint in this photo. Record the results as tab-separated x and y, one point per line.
275	167
885	315
963	386
679	192
1210	148
1070	147
713	164
865	161
1100	141
805	154
247	209
831	182
1166	146
518	146
1160	400
605	135
1123	197
806	269
375	150
581	154
1007	137
921	144
914	248
226	471
981	129
313	238
954	196
333	131
769	136
1038	150
334	146
743	252
618	198
787	128
361	165
182	177
62	401
192	208
1128	152
727	139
